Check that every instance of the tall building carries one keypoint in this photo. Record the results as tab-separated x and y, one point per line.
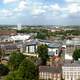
19	27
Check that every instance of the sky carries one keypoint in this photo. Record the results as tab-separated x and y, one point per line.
40	12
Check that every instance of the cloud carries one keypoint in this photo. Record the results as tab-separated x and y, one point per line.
73	1
22	5
8	1
30	9
6	13
73	8
37	10
55	9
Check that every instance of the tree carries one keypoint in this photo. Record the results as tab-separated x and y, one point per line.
28	70
41	35
43	53
15	59
76	54
3	70
1	54
13	76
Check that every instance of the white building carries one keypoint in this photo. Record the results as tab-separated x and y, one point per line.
19	27
69	48
31	47
20	37
54	49
71	70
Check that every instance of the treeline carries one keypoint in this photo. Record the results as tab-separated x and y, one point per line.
45	33
68	32
41	33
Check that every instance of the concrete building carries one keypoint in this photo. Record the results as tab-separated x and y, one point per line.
8	48
20	37
6	33
71	45
54	49
44	41
71	70
49	73
31	46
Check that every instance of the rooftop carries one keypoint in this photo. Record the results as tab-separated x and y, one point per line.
7	32
50	69
20	37
54	45
71	63
32	42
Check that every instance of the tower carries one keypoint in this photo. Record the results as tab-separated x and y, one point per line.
19	27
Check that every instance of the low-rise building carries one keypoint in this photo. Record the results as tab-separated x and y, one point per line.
6	32
71	70
8	48
71	45
20	37
48	72
31	46
54	49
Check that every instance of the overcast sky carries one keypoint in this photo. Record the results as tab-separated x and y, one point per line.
63	12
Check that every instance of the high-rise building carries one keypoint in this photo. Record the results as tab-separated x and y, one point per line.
19	27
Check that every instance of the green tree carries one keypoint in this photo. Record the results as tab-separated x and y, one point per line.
2	53
28	70
43	53
76	54
41	35
3	70
13	76
15	59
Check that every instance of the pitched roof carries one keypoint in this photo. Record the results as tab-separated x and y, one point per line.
50	69
8	32
71	64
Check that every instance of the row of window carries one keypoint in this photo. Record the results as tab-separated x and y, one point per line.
71	73
71	77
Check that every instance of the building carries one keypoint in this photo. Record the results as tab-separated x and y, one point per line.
20	37
19	27
8	48
50	72
6	32
54	49
71	70
71	45
31	46
44	41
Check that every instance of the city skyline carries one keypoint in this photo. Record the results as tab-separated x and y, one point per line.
40	12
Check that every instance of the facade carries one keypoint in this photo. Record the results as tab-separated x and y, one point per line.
71	70
71	45
47	72
54	49
8	48
31	47
44	42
